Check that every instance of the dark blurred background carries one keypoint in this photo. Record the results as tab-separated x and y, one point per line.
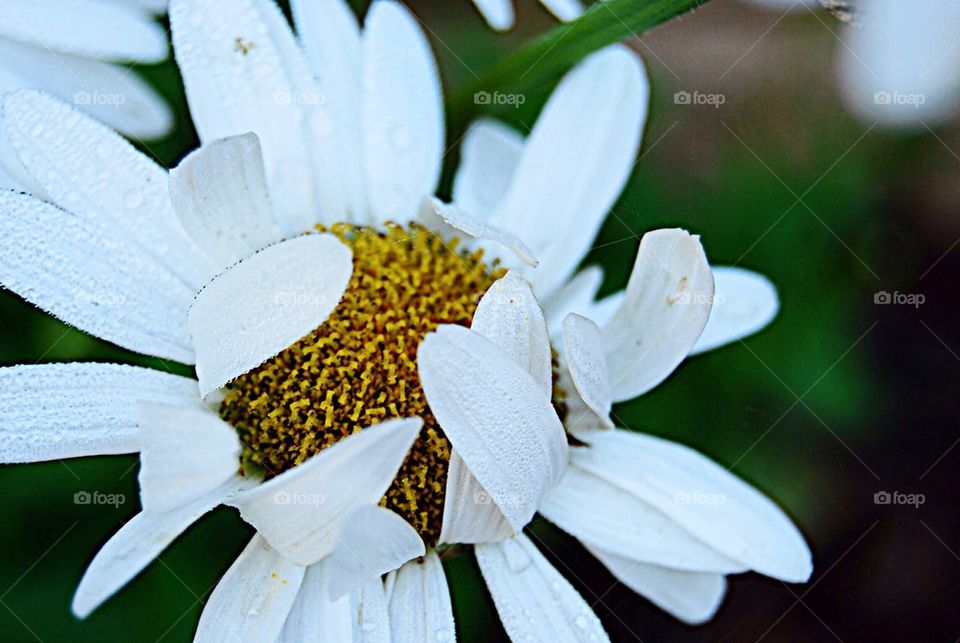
839	400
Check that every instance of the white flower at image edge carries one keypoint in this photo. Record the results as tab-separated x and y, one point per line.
899	63
79	51
219	264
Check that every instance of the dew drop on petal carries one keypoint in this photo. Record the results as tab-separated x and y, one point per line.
133	199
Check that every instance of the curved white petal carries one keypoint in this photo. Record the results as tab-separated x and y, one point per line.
575	296
219	193
583	349
469	515
185	453
565	10
602	311
534	601
901	65
402	110
419	602
87	28
244	72
136	545
744	302
691	597
573	168
604	516
579	416
113	94
264	304
496	417
360	617
89	276
510	316
90	170
53	411
301	510
252	600
372	541
708	501
313	616
488	159
666	307
497	13
371	622
448	220
330	35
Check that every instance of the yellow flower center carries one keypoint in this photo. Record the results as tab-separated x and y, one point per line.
359	367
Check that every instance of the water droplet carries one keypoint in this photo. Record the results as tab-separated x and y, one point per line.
133	199
581	622
368	626
442	635
517	559
400	139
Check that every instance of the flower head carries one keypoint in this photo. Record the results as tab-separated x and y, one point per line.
379	373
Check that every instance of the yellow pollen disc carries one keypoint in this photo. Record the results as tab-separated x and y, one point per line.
360	366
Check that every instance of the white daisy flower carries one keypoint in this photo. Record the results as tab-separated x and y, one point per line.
899	62
370	393
79	50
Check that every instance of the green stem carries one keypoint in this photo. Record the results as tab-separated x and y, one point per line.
546	58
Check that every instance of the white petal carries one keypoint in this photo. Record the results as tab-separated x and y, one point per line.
469	515
534	601
136	545
90	277
314	617
447	220
252	600
900	65
53	411
743	303
219	193
419	602
244	72
113	94
565	10
372	542
371	622
573	168
579	416
264	304
301	510
583	349
604	516
107	31
331	41
691	597
509	316
666	307
497	13
402	111
488	159
88	169
576	296
708	501
602	311
496	417
185	452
